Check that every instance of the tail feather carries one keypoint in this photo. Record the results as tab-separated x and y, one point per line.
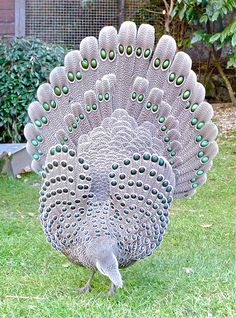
118	76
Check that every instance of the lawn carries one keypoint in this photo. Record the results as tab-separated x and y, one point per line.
191	275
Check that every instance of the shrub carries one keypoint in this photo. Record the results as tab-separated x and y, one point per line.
24	64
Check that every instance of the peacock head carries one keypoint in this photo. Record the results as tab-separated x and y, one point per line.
106	262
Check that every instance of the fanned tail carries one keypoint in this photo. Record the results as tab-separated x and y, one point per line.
156	87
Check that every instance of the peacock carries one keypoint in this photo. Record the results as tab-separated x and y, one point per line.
118	133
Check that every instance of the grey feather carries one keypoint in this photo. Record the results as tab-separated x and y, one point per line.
119	132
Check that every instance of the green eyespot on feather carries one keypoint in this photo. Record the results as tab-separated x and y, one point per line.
36	156
100	97
163	128
172	77
155	108
194	185
74	125
81	116
129	50
154	158
53	104
166	139
88	108
94	63
78	76
34	142
138	52
200	125
70	76
52	151
136	156
165	183
200	172
107	96
44	120
103	54
146	156
162	119
85	64
39	138
204	143
46	106
165	64
169	149
121	49
200	154
148	105
173	154
58	148
194	121
186	94
205	159
140	98
133	95
147	53
94	106
198	138
111	55
194	107
161	162
180	80
126	162
65	90
57	91
156	62
115	166
38	123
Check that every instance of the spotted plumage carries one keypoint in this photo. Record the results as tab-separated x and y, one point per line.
121	130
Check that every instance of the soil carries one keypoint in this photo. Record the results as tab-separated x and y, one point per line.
225	119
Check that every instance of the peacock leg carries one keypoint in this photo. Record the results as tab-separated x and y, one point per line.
86	287
112	290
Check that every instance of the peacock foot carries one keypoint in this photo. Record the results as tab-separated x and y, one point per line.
86	287
112	290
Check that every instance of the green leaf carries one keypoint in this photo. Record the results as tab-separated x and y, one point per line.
232	61
197	36
233	40
203	19
23	66
182	12
215	16
214	38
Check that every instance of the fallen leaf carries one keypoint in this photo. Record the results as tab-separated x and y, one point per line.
18	176
206	226
66	265
188	270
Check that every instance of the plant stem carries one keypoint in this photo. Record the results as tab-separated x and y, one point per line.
224	77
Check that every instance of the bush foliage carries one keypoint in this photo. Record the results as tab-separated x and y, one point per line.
24	64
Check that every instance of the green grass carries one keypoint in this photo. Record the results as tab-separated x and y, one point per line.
191	275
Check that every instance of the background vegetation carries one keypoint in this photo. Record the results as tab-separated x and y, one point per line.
24	64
